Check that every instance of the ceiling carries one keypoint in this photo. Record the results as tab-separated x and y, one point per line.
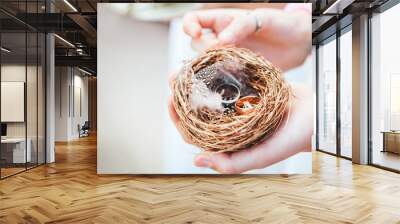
76	22
332	15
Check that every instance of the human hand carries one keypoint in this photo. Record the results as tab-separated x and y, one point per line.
292	136
282	37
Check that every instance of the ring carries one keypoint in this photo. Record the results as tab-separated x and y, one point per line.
229	92
246	105
257	21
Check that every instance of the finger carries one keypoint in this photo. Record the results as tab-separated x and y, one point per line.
191	25
172	113
240	28
264	154
171	79
194	22
204	42
226	163
218	161
176	121
214	19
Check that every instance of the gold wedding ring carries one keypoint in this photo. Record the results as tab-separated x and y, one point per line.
246	105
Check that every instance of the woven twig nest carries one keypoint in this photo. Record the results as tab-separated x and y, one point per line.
229	99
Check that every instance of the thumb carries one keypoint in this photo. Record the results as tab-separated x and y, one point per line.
226	163
239	29
217	161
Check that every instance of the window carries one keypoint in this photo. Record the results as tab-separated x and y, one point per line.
385	89
346	93
327	96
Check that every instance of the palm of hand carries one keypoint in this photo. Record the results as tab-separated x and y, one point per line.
293	136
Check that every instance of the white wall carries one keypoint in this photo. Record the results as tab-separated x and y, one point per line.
135	133
67	81
62	80
80	83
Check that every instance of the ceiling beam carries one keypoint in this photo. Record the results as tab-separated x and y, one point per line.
320	23
84	24
337	6
83	61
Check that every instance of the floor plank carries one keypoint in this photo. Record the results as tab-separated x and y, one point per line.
70	191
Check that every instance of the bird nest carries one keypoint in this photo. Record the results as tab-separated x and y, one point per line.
229	99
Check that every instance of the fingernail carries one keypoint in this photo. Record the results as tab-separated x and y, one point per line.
203	162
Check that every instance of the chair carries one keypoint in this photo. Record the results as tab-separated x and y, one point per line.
84	130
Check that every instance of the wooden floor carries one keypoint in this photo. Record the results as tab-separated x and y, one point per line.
70	191
387	159
5	172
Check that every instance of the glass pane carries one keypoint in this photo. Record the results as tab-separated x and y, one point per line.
41	98
386	89
13	88
31	100
327	97
346	94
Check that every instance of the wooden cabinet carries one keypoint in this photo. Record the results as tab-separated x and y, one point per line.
391	142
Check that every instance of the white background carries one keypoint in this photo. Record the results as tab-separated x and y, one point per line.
135	134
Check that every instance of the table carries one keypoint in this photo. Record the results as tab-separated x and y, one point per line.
391	141
17	150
